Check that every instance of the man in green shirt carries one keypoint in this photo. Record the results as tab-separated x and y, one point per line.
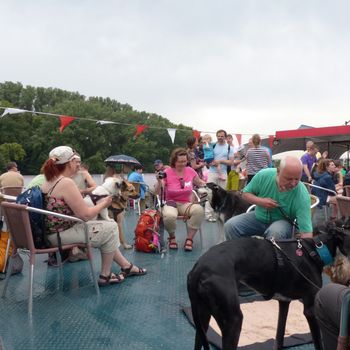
280	198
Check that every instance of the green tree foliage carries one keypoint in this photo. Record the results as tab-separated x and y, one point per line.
32	136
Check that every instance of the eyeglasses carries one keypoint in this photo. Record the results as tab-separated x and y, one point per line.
182	183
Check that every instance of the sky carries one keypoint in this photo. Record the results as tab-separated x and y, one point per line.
247	66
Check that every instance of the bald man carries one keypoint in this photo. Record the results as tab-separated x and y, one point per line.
280	198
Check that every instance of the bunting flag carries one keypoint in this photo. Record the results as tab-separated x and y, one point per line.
65	121
12	111
196	134
104	122
239	139
271	138
140	129
172	133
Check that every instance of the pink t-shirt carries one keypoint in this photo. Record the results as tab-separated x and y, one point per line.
173	184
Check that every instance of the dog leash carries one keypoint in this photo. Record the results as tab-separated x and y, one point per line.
274	243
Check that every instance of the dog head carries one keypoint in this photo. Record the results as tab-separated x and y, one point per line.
339	271
216	195
336	234
128	190
113	185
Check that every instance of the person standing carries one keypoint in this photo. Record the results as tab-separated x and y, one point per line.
83	179
257	158
222	154
308	160
12	177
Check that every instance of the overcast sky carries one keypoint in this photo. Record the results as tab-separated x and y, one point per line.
245	66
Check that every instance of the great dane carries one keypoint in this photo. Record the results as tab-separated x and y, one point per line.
290	268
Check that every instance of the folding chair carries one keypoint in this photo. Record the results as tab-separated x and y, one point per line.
196	200
17	218
346	190
343	204
327	206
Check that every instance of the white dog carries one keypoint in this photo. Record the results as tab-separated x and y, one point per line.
111	187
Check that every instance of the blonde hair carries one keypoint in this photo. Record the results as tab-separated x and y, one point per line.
206	138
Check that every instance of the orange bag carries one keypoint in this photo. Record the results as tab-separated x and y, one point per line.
5	249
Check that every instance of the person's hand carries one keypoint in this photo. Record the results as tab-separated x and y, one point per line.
215	163
268	203
107	201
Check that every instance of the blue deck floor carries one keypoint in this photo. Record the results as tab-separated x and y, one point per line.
140	314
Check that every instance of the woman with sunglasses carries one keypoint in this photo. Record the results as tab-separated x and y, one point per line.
63	196
177	182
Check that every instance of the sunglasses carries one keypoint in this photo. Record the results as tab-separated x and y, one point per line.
182	183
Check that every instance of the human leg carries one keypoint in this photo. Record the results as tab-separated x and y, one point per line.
119	218
195	214
244	225
169	215
328	303
280	229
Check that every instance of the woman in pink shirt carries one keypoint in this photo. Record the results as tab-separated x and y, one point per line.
178	184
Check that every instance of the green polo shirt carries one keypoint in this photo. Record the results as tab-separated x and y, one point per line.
295	203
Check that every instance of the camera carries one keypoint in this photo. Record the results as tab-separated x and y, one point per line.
161	175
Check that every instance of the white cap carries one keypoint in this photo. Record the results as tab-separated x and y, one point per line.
63	154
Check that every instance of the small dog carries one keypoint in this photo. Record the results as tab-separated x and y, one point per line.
111	187
291	268
225	204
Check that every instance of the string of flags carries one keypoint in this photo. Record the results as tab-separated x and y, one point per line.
66	120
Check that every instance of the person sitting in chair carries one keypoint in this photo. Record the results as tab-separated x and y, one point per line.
63	196
280	198
178	181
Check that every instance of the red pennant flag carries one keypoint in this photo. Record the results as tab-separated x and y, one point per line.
140	129
271	138
65	121
239	139
196	134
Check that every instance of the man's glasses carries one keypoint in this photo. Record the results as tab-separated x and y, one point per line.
182	183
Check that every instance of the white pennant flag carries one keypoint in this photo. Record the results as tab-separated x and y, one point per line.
172	133
12	111
104	122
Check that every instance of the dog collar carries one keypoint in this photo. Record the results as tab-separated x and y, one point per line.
323	252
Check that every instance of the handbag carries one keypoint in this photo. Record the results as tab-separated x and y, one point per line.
5	252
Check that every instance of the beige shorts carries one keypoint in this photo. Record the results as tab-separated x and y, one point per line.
102	234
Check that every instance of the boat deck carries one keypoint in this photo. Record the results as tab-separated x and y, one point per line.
142	313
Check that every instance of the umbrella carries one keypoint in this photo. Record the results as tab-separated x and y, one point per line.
122	159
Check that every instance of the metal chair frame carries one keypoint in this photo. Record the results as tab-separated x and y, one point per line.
17	218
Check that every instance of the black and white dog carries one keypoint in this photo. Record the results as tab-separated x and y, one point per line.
225	204
291	268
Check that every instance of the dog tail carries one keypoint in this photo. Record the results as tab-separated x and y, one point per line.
200	314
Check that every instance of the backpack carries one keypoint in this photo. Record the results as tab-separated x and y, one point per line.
146	232
33	197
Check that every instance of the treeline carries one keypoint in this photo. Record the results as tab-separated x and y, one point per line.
28	138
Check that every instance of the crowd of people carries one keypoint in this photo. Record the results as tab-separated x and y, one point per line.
280	197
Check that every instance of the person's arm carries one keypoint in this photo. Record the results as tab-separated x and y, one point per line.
198	181
267	203
91	184
307	172
72	196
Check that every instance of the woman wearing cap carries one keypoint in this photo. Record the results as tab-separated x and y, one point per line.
63	196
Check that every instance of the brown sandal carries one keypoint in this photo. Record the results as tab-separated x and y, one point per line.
113	278
127	272
188	245
172	243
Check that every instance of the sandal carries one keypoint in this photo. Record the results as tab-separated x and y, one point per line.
188	245
127	272
111	279
172	243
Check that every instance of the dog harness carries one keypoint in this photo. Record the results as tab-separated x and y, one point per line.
95	197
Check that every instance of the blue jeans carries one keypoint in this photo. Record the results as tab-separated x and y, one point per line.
247	225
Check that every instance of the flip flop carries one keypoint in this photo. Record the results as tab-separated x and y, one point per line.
111	279
128	273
